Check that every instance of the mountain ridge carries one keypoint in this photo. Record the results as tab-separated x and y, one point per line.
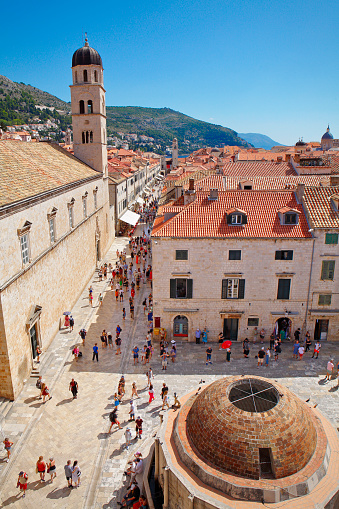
260	140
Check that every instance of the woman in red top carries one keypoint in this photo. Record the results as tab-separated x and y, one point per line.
66	321
41	468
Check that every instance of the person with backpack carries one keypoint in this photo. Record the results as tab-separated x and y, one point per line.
22	482
113	417
73	387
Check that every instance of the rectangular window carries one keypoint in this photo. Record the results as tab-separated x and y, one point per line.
284	255
331	238
70	217
291	218
181	254
181	288
95	200
284	286
236	219
234	254
253	322
24	242
233	288
52	229
325	300
327	270
84	207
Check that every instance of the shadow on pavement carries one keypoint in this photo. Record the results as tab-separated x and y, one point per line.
59	493
64	401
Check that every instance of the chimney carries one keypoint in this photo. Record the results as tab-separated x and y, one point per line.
334	180
191	185
300	192
213	194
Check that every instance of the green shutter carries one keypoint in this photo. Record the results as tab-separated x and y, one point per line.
284	289
189	288
173	288
224	288
331	238
241	292
327	271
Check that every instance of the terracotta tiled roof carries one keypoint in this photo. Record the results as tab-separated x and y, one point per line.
258	169
248	155
208	219
224	183
28	169
319	207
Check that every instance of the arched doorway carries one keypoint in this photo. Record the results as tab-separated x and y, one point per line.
283	328
180	326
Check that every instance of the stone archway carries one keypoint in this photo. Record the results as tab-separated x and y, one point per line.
283	328
180	326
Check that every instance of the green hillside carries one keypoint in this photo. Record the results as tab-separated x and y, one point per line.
20	103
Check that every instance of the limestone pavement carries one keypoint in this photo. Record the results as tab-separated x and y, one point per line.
78	429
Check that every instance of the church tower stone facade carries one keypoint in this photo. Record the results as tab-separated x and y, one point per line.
89	109
174	153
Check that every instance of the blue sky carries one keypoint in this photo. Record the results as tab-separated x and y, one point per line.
255	66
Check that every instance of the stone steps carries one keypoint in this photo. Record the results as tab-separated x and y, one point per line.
5	407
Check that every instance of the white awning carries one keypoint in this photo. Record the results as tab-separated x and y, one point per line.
140	200
130	217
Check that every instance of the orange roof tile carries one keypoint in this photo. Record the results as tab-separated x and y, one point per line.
318	204
206	218
258	169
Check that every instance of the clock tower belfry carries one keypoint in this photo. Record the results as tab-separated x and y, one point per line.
89	109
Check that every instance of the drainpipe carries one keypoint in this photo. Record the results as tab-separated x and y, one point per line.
308	293
166	488
156	458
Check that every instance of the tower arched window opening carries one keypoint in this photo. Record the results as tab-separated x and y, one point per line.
96	76
75	77
82	107
91	137
85	75
90	106
87	136
83	137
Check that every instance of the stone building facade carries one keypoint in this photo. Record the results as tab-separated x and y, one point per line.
55	226
237	278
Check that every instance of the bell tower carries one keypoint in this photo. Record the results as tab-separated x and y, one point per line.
174	153
89	109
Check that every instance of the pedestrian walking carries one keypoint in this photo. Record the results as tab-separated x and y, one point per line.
134	390
261	356
123	313
76	474
197	336
8	446
73	387
75	352
208	355
113	417
22	482
165	401
95	352
71	323
118	345
38	353
272	339
121	295
68	473
164	356
329	369
118	330
45	392
173	352
128	437
100	299
131	309
301	351
131	410
51	468
149	375
316	351
41	468
82	334
151	393
262	335
228	355
277	350
308	342
135	355
110	340
138	427
267	356
246	348
103	338
90	298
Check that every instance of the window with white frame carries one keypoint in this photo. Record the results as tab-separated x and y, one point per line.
84	206
71	215
52	228
95	198
24	243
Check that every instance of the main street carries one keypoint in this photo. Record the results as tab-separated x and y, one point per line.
77	429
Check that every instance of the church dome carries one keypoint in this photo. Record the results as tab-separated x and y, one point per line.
86	56
237	421
327	135
300	143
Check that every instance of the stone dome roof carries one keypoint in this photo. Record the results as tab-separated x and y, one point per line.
86	56
327	135
300	143
237	421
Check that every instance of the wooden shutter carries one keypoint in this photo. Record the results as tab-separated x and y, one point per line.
241	291
284	289
224	288
327	271
173	288
189	283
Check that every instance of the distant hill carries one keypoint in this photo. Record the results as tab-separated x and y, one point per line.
20	103
259	140
164	124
